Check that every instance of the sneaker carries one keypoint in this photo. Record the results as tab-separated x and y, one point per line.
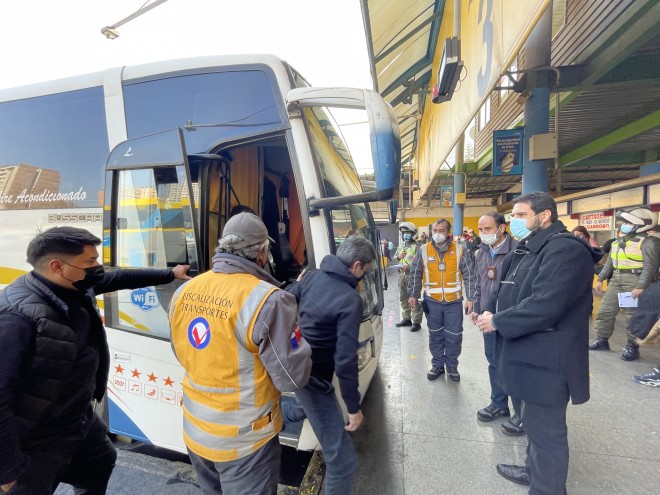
652	379
435	372
513	426
600	344
415	327
631	352
489	413
454	374
403	323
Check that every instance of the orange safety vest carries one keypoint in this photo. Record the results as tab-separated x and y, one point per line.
230	405
443	285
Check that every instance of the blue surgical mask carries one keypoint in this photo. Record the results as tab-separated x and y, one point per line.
519	228
626	228
407	237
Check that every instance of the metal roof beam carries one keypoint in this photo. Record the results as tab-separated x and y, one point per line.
628	131
632	29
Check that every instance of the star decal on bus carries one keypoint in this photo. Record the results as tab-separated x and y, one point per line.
168	381
119	369
152	377
136	373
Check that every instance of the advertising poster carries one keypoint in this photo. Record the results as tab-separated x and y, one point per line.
447	196
595	221
508	151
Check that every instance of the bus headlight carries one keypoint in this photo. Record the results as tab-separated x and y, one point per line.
365	353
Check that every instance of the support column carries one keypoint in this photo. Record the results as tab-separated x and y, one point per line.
459	186
537	106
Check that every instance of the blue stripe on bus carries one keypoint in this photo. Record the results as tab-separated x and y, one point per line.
121	424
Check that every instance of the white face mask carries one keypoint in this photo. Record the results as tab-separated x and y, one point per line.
490	239
439	238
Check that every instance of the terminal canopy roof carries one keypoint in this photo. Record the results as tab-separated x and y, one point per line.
609	119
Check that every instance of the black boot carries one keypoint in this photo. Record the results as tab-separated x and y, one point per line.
404	323
631	352
600	344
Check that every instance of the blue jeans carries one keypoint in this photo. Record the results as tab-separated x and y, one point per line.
498	396
320	403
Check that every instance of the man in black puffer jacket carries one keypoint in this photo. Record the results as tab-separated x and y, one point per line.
55	360
330	316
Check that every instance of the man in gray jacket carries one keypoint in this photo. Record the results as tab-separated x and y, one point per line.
235	334
496	243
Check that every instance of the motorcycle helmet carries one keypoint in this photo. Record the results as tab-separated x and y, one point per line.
642	219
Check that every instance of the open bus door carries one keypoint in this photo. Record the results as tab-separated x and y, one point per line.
151	220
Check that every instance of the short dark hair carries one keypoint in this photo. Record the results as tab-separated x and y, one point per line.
497	216
69	241
582	230
539	201
356	248
444	220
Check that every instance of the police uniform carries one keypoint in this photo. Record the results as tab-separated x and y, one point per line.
409	249
632	264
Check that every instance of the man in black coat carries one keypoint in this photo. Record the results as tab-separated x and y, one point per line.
542	324
55	360
330	316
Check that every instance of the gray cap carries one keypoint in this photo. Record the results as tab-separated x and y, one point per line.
249	227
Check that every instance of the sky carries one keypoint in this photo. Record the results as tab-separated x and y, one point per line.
43	40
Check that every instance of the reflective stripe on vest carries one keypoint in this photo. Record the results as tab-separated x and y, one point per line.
230	405
629	258
443	285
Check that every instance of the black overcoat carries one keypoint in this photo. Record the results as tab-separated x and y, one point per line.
542	318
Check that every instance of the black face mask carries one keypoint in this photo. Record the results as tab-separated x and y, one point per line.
93	276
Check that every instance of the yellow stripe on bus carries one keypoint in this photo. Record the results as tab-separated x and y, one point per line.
8	275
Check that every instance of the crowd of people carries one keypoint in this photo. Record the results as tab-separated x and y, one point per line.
533	316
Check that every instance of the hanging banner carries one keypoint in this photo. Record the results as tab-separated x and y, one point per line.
596	221
447	196
492	33
508	146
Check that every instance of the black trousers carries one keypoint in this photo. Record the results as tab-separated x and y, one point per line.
85	462
547	448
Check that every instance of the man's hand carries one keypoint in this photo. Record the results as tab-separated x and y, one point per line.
301	274
181	272
636	293
6	488
599	286
412	302
400	256
473	317
405	268
354	421
485	322
468	307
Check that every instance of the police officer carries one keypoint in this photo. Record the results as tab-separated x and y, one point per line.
405	254
632	266
447	271
235	334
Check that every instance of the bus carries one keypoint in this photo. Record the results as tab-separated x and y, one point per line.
153	159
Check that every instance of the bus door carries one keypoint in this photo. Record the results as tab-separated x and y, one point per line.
150	221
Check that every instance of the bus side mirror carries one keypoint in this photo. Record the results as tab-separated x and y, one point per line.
383	132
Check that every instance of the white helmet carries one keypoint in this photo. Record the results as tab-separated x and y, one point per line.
408	226
642	219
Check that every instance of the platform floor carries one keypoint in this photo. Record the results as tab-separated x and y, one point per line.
422	437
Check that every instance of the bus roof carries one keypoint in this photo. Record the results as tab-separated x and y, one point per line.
136	72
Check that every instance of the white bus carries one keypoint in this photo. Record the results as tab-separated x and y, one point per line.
153	158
